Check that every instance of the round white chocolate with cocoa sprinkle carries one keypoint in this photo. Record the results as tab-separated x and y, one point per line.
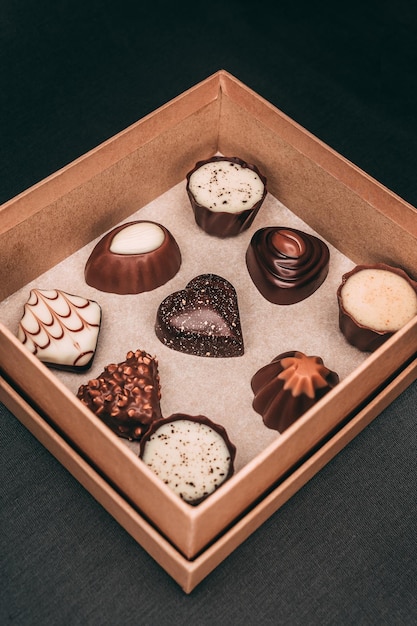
226	186
379	299
190	454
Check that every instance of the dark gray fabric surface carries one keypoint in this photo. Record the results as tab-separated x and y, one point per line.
72	74
341	551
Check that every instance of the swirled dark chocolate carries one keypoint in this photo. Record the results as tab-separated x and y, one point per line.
202	319
286	265
374	302
61	329
288	386
126	396
133	258
226	194
191	454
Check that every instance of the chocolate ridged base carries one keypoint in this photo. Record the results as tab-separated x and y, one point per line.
288	386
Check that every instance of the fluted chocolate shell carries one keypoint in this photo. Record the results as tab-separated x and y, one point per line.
221	223
288	386
363	337
194	464
126	396
132	273
202	319
286	265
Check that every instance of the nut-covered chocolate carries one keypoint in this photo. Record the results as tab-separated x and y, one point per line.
191	454
286	265
375	301
226	194
126	396
202	319
288	386
60	328
133	258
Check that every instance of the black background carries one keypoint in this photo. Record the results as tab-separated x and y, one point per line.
73	74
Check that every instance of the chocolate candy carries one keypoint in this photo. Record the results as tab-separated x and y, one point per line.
288	386
285	264
226	194
61	329
374	302
191	454
126	396
202	319
133	258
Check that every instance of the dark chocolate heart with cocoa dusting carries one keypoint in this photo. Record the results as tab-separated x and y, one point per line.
202	319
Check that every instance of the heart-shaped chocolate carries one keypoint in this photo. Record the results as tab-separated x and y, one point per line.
202	319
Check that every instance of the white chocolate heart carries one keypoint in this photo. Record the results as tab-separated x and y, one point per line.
138	238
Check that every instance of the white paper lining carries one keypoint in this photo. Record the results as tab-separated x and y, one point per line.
216	387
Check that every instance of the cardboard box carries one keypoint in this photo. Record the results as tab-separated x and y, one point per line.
60	215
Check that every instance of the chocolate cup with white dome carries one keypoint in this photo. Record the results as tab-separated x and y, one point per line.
133	258
364	336
191	454
222	217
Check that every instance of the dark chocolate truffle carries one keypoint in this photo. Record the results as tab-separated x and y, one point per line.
202	319
191	454
126	396
374	302
135	257
288	386
286	265
61	329
225	194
